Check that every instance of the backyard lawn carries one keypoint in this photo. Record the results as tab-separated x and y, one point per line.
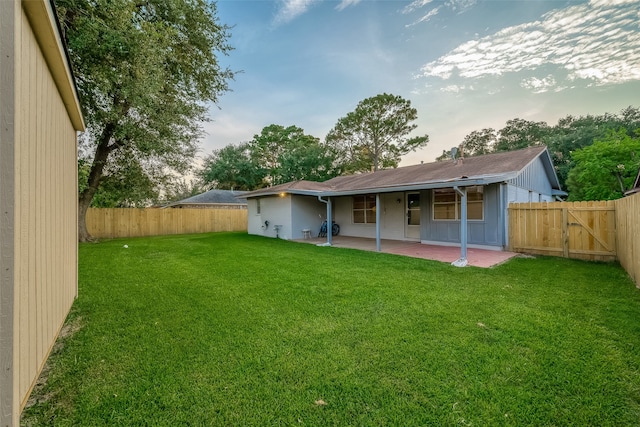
232	329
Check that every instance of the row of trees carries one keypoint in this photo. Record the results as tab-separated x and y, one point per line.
374	136
146	69
596	157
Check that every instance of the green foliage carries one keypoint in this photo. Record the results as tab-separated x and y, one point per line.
277	155
605	169
232	168
375	135
568	135
519	133
287	154
238	330
145	70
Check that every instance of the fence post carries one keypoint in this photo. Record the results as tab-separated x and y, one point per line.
565	232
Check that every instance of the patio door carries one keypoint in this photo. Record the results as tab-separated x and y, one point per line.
412	222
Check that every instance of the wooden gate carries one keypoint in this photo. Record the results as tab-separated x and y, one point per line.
584	230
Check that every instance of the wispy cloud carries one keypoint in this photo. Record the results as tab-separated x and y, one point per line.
598	42
291	9
346	3
415	6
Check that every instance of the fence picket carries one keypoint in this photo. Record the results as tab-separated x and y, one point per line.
131	222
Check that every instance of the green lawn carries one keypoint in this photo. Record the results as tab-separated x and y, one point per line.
231	329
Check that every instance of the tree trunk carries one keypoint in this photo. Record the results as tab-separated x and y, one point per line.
102	154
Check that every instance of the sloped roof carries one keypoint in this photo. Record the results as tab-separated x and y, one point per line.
479	170
636	186
293	187
213	196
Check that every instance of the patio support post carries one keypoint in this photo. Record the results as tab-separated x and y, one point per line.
463	226
378	222
329	222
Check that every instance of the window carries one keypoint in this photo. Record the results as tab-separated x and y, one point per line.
446	204
413	208
364	209
258	206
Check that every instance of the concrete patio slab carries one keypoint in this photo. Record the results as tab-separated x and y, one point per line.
484	258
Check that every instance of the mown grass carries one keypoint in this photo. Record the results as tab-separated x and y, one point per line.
231	329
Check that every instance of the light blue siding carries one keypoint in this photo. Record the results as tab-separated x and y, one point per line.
488	232
534	178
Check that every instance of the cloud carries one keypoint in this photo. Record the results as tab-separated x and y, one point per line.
291	9
346	3
456	6
598	42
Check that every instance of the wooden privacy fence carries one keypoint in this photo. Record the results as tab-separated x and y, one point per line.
127	222
584	230
628	232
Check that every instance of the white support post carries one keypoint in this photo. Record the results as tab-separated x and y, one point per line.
463	226
378	222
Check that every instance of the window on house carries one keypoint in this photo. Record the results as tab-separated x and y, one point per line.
447	204
364	209
258	206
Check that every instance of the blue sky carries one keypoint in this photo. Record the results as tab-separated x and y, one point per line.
464	64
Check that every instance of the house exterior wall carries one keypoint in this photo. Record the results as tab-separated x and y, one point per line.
274	209
487	232
38	200
307	212
392	217
532	185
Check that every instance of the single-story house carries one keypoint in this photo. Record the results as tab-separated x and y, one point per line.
456	202
212	199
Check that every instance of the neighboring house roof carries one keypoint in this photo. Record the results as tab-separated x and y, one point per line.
220	197
479	170
636	186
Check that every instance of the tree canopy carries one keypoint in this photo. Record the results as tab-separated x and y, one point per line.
376	134
232	168
605	169
277	155
566	137
145	71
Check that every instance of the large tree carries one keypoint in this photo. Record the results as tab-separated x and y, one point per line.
232	168
277	155
145	70
288	154
605	169
376	134
520	133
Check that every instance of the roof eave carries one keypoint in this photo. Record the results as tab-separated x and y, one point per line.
464	182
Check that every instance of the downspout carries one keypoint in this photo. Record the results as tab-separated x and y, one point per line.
462	262
329	220
378	222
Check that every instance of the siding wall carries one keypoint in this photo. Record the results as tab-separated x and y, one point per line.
488	232
392	217
42	256
534	182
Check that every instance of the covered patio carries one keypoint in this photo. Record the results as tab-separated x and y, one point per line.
484	258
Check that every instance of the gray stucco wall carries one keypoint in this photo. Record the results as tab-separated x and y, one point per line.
306	212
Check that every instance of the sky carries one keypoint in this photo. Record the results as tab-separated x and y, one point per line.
465	65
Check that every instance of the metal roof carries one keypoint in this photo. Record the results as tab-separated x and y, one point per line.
479	170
